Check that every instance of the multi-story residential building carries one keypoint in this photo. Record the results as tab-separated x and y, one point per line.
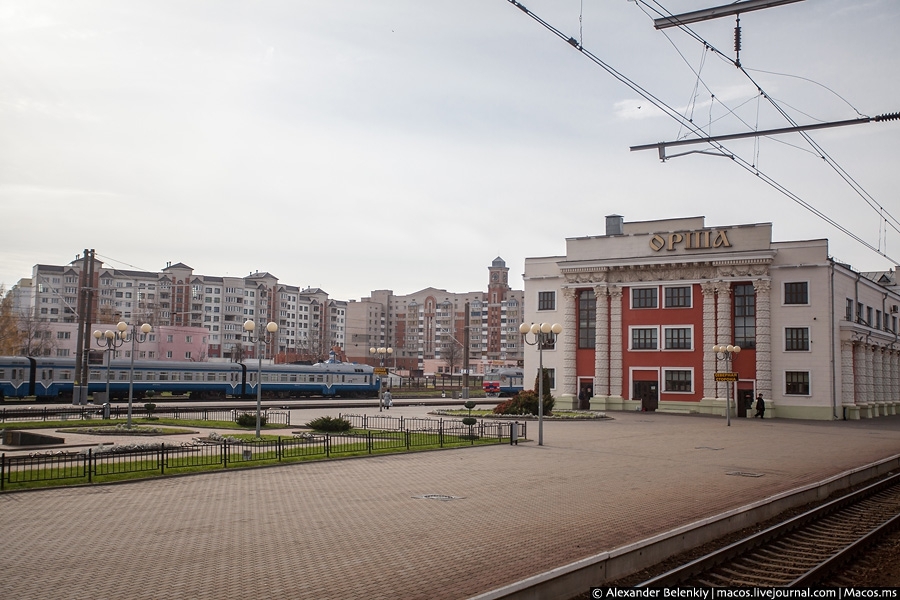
643	305
195	317
428	330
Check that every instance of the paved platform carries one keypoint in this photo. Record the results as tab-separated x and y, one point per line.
360	528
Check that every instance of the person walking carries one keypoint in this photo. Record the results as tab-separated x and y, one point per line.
760	407
387	399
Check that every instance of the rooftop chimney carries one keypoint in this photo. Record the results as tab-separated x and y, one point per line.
614	224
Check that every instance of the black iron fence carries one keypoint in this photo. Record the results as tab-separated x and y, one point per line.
90	413
162	459
400	423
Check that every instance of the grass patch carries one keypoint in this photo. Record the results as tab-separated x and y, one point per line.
76	426
111	467
557	414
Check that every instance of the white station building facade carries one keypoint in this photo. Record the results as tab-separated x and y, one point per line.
643	306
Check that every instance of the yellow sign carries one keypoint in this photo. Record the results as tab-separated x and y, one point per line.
380	370
726	376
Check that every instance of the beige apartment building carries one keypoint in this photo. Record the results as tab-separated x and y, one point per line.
433	331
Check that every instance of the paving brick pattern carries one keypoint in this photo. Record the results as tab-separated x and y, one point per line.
359	528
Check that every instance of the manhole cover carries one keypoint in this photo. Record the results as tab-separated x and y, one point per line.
744	474
442	497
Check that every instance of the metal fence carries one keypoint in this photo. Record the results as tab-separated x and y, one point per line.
482	428
85	466
90	413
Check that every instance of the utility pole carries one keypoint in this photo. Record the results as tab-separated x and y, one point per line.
83	342
465	390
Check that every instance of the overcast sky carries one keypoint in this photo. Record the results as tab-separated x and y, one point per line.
355	145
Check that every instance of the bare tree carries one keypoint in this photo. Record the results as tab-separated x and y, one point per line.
36	337
452	354
10	336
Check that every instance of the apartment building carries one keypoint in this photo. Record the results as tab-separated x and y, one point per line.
182	305
643	306
428	331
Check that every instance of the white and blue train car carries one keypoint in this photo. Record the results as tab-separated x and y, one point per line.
329	379
50	379
16	376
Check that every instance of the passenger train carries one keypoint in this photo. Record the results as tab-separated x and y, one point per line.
52	379
503	382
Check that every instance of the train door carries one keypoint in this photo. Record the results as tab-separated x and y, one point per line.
585	393
648	393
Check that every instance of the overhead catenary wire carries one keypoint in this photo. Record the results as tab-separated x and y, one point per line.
892	221
686	123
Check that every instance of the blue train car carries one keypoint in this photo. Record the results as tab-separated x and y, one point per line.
16	376
52	378
329	379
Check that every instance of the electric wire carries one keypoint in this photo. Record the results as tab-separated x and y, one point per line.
820	152
672	113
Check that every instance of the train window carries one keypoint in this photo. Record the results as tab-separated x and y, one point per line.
65	375
283	377
293	377
138	375
163	376
94	375
222	377
188	376
319	379
151	376
123	376
210	376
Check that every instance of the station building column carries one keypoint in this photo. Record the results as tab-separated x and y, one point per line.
763	339
601	344
568	386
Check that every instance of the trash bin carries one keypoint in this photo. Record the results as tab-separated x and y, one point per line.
248	455
106	410
514	433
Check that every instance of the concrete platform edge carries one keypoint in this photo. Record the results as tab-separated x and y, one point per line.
575	578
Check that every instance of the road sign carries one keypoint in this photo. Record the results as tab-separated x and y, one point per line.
726	376
381	371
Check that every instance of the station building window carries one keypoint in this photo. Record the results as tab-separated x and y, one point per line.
677	297
644	297
796	339
587	319
796	292
796	383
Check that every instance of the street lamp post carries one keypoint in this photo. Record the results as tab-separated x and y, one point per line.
135	339
726	354
259	340
111	340
382	353
544	334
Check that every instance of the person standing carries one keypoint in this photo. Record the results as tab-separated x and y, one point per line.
760	407
387	399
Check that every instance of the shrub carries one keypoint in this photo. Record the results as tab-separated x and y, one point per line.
329	424
249	420
525	403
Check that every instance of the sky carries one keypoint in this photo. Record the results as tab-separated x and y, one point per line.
353	145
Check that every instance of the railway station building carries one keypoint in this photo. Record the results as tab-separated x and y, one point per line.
643	306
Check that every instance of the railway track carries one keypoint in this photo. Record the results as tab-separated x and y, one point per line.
806	550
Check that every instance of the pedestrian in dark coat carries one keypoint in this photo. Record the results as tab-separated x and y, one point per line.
760	407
